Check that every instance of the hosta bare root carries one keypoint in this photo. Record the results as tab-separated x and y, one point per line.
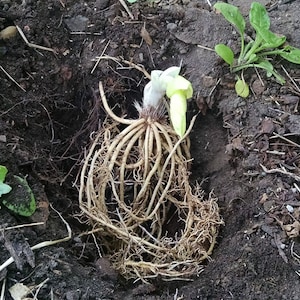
135	189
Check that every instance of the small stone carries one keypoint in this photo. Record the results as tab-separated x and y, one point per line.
293	123
268	205
171	26
3	138
290	208
257	87
77	23
105	269
282	246
101	4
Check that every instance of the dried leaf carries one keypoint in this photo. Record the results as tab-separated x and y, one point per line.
267	126
146	36
263	198
292	230
19	249
19	291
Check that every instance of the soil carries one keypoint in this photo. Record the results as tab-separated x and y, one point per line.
245	150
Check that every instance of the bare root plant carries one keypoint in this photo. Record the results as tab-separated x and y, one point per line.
135	189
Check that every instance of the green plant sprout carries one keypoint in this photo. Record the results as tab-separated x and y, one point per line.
18	197
178	90
257	52
4	188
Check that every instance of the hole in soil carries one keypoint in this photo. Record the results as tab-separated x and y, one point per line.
208	141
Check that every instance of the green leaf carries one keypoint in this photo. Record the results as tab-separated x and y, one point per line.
291	54
21	200
232	14
3	172
225	52
271	40
4	188
266	65
253	58
259	17
242	88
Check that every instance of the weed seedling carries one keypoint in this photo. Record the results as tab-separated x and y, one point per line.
19	197
257	52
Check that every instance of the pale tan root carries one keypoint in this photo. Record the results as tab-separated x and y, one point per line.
135	185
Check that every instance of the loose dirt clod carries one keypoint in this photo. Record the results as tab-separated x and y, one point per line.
135	189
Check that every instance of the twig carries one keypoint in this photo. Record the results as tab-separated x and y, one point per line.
6	73
291	79
62	3
275	152
99	58
294	254
11	108
297	187
31	45
21	226
208	2
259	77
96	244
85	33
50	122
206	48
214	87
284	172
123	3
295	86
38	288
131	64
2	297
141	69
285	139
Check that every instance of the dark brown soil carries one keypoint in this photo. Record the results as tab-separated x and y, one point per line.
245	150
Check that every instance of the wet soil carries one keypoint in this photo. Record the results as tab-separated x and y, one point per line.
245	150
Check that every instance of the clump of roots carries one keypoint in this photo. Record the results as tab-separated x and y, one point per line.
135	188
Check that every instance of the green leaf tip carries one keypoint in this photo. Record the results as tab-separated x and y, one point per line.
232	14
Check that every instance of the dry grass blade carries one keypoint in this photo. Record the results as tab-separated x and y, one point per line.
123	3
11	78
2	295
281	171
31	45
121	60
